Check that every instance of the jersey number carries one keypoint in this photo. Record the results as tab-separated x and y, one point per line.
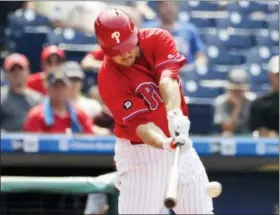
149	92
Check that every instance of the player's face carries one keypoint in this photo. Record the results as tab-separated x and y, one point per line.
167	11
127	59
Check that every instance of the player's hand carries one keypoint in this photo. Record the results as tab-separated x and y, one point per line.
183	140
177	122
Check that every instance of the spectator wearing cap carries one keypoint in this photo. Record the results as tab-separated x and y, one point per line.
232	108
51	57
264	112
90	106
16	98
56	114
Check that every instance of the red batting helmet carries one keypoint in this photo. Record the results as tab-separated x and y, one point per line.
115	32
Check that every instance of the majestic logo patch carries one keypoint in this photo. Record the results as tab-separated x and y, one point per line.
127	105
116	35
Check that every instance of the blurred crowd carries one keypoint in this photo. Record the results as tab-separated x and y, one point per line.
52	100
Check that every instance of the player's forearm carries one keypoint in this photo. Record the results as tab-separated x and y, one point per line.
170	93
151	134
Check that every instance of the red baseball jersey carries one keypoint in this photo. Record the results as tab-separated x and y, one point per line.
132	93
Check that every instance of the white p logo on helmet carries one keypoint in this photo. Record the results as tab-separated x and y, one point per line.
116	35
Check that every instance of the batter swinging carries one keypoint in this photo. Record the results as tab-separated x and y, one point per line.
139	83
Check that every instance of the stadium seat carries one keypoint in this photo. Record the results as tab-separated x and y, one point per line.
257	74
201	6
273	23
193	89
228	41
236	20
75	55
247	7
189	75
213	75
222	57
30	44
201	115
266	38
259	54
27	18
203	22
69	36
260	89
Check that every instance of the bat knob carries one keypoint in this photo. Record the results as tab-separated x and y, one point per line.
169	203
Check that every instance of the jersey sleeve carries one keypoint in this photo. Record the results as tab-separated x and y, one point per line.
168	60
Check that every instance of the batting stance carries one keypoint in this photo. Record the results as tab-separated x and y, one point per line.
139	83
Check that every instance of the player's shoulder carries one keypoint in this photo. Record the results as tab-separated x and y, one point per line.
153	33
107	73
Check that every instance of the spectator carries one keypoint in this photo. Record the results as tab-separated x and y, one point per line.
93	60
51	57
265	109
90	106
16	98
232	108
56	114
78	15
186	35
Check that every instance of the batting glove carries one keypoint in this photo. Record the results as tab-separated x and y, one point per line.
178	122
184	141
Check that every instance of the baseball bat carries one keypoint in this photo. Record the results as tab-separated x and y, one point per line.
171	196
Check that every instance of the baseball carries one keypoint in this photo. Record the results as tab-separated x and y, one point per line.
214	189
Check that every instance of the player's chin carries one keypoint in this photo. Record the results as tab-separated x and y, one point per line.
128	63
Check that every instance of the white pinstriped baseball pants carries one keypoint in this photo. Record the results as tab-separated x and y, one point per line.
143	174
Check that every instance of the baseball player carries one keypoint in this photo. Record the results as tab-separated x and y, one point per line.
139	83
